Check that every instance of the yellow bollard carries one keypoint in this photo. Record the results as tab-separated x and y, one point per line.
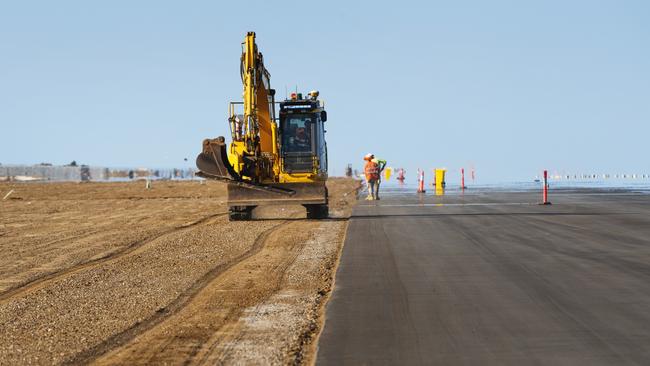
440	191
440	178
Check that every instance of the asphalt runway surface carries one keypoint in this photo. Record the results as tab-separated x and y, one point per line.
493	278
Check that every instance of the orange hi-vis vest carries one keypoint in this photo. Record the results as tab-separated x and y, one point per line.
371	170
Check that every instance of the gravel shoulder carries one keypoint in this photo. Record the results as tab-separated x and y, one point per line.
63	225
160	276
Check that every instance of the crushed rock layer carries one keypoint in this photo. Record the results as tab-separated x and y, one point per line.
162	276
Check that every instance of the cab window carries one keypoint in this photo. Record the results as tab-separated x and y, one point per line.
297	131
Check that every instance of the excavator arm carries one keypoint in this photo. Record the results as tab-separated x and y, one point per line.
253	153
258	103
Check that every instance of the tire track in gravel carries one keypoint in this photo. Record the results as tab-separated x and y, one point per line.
157	344
282	268
69	237
242	332
42	281
124	337
42	248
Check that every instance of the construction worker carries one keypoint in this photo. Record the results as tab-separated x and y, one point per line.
381	164
371	170
301	141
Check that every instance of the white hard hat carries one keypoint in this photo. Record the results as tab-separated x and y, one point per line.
368	156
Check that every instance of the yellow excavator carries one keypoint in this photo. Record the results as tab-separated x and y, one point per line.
270	161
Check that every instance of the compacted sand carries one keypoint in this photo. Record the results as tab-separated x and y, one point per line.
112	273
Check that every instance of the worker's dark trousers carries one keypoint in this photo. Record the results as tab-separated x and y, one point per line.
373	188
377	189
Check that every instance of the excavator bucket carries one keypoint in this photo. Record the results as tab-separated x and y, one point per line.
213	164
213	160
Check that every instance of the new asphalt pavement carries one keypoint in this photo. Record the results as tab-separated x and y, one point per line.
490	277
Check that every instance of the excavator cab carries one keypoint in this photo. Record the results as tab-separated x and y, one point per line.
303	149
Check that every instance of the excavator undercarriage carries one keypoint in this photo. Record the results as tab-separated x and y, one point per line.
245	196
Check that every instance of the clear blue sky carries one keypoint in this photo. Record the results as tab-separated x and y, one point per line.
511	87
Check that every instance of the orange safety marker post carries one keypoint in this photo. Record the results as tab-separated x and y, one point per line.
400	176
545	190
421	181
462	179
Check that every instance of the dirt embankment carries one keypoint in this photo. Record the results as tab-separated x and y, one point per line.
114	273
